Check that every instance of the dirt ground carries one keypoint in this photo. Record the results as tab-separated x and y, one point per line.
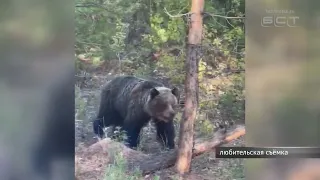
204	167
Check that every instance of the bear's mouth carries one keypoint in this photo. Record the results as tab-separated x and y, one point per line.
165	119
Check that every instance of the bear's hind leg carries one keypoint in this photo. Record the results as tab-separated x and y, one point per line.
104	117
165	133
98	128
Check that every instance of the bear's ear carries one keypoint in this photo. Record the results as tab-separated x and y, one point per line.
175	91
154	92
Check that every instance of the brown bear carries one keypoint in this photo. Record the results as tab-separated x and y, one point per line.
131	102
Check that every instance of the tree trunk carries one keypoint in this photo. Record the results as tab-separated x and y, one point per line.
191	88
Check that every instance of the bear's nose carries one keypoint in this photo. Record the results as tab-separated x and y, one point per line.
171	115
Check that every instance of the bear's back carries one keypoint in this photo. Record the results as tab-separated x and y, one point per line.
130	91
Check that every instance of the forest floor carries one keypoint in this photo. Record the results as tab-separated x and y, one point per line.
204	167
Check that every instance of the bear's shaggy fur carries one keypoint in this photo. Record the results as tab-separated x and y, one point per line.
131	102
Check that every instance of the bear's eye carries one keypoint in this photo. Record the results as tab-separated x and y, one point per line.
161	106
176	106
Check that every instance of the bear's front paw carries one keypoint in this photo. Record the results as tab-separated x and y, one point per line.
98	138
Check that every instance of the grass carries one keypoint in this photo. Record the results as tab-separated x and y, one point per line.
117	171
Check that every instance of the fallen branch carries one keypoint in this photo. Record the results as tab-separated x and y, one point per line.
168	159
91	161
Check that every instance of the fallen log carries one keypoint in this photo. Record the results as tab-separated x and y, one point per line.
91	161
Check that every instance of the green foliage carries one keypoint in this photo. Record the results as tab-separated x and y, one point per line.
117	170
173	66
119	135
166	30
205	126
107	29
232	102
103	25
143	71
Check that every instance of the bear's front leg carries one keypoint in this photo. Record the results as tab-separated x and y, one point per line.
166	133
132	132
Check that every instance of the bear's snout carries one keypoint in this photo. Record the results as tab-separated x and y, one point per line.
170	116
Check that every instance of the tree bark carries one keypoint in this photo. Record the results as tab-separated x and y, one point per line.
191	89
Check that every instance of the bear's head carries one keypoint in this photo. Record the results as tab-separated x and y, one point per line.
162	103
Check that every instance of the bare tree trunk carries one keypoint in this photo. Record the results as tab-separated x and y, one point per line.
191	88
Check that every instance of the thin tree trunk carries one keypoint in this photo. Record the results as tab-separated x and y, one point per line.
191	88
